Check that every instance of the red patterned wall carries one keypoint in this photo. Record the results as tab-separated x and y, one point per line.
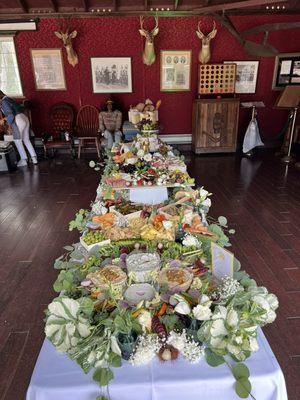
118	36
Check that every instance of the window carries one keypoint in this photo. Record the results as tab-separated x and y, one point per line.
10	82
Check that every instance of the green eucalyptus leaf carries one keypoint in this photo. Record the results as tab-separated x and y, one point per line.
222	221
243	388
69	248
103	376
236	265
213	359
115	360
240	370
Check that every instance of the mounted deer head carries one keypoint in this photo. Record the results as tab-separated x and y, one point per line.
149	51
204	54
67	37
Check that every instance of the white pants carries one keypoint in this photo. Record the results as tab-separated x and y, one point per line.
110	137
22	123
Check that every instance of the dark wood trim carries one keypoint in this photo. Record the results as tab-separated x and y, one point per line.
54	5
237	5
271	27
84	5
23	6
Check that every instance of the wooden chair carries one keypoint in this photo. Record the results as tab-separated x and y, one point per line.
62	117
87	127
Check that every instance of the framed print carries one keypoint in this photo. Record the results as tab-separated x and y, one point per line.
175	70
111	74
286	71
48	69
246	76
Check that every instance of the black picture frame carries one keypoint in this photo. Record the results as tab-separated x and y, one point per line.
286	71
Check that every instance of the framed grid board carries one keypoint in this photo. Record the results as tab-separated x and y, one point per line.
217	78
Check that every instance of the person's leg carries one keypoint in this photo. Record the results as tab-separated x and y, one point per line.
22	152
118	136
24	128
109	137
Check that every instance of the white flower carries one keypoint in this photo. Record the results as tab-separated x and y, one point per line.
177	340
203	192
182	308
140	153
206	202
146	349
205	300
131	160
232	318
148	157
202	313
262	302
190	240
220	313
218	343
273	301
188	217
271	316
145	320
253	344
218	328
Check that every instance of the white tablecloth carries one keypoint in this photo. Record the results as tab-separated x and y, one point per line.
55	377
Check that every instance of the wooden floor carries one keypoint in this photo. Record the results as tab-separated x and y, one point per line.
260	197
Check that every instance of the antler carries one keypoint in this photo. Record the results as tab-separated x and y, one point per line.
213	33
141	22
200	33
156	23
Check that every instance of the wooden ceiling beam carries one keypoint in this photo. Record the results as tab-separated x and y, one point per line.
23	6
236	5
84	5
271	27
54	5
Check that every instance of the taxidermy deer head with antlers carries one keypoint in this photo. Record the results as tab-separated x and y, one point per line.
149	51
67	37
204	54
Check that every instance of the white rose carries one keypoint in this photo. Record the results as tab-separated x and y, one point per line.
220	313
271	316
218	328
262	302
145	320
202	313
182	308
273	301
233	349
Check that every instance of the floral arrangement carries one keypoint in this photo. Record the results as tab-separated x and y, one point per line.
138	298
147	161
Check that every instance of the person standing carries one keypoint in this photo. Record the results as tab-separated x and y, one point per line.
20	127
110	122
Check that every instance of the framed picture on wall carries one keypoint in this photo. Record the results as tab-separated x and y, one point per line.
175	70
286	71
48	70
246	76
111	74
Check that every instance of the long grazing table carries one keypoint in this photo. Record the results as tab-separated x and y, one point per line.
56	377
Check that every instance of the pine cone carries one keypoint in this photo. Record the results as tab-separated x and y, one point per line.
158	327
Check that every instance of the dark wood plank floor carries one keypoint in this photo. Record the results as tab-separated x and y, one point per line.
260	198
